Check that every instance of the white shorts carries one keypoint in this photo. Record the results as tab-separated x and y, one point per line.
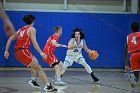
71	59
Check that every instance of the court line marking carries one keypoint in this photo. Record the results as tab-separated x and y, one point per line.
102	84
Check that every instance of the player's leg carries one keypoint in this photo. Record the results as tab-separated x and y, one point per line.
68	62
34	65
32	81
60	64
135	67
136	73
53	62
33	74
25	57
81	61
56	66
58	80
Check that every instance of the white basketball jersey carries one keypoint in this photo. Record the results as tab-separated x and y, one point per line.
76	51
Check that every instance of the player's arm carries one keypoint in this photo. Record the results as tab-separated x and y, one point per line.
13	37
33	38
8	26
55	43
86	48
2	13
70	44
32	34
125	58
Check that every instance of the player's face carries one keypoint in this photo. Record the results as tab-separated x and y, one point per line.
77	35
60	32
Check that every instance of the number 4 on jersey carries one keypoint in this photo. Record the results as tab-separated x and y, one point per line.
22	33
134	41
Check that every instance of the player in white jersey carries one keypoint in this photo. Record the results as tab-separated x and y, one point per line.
74	53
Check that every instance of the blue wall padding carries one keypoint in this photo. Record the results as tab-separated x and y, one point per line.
105	33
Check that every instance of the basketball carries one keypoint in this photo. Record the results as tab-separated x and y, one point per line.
93	55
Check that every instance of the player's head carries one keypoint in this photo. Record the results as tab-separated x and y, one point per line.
135	27
58	30
78	34
29	19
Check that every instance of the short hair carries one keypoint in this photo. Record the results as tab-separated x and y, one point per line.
56	28
28	19
135	27
82	35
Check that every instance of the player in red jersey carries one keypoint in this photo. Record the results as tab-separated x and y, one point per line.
25	36
133	47
49	49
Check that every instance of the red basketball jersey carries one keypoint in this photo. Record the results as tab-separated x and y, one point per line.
133	41
49	47
24	39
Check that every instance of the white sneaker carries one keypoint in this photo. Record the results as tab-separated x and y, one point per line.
59	83
49	88
34	84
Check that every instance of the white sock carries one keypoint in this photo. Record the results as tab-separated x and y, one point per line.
48	84
58	79
33	78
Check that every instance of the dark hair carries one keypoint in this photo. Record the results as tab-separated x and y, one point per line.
28	19
56	28
135	27
82	35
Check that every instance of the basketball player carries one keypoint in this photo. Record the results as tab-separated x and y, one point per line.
49	49
25	36
74	53
133	46
8	26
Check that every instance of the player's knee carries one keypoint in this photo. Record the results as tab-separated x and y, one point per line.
61	63
36	66
82	61
55	65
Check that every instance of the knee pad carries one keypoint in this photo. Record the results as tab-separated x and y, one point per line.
55	63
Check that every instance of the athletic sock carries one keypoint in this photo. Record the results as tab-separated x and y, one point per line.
92	75
33	78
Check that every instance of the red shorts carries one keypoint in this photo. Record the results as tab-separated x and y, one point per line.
24	56
135	61
51	58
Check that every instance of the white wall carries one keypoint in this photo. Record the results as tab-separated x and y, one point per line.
111	6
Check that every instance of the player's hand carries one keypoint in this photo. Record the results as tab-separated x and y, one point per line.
127	68
58	45
44	56
6	54
65	46
8	27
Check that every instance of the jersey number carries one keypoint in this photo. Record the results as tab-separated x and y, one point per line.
134	41
75	50
22	33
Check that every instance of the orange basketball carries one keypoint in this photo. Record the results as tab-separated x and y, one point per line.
93	55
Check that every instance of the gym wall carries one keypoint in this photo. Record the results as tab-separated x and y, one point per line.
104	32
